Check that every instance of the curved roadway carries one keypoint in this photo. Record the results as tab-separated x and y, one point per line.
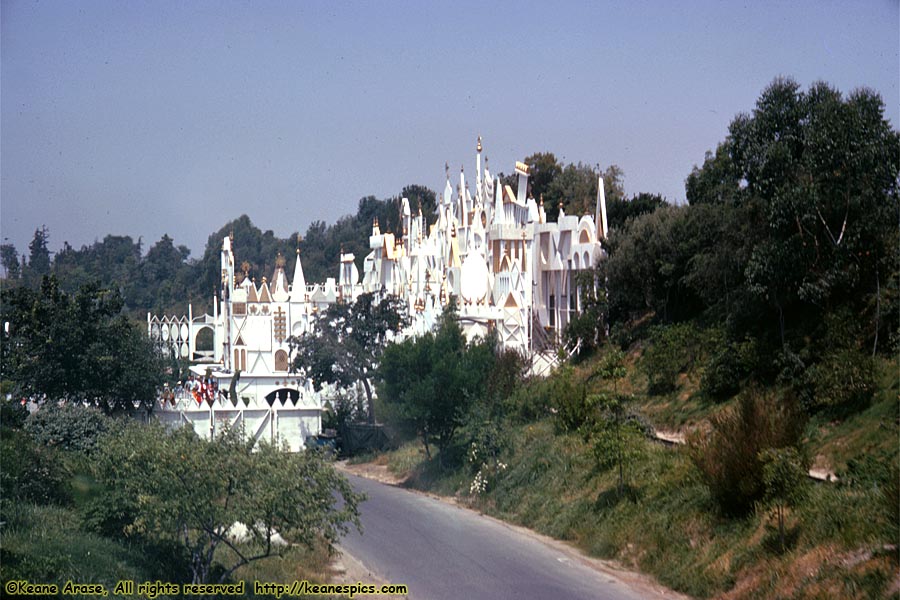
444	552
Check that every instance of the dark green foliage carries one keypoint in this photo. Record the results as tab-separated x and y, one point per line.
530	401
842	379
9	258
12	413
347	343
112	513
587	329
68	426
429	383
573	406
619	209
114	262
785	480
728	367
77	348
824	169
674	349
38	254
728	453
508	371
789	248
175	487
30	473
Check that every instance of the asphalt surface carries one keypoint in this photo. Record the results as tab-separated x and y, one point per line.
444	552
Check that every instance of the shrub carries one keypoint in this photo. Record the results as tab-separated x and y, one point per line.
574	408
728	453
31	473
12	414
529	402
727	369
673	350
843	379
68	426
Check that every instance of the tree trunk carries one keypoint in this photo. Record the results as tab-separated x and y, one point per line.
425	443
370	406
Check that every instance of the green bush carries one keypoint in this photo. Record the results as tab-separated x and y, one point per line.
727	369
12	414
568	397
68	426
31	473
728	454
673	350
843	379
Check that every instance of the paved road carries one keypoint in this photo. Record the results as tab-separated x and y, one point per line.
443	552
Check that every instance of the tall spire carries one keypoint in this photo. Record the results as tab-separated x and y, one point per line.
298	285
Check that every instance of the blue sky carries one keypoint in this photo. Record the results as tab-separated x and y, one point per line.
144	118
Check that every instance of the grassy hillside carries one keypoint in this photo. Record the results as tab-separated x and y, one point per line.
841	539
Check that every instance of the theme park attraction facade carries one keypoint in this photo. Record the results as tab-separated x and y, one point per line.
493	250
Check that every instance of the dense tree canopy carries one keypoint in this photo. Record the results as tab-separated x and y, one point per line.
77	347
347	343
790	241
431	381
175	487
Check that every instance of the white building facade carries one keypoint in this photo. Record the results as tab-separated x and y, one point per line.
491	248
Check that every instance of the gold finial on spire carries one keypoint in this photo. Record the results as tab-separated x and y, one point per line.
245	267
478	147
542	198
279	261
447	170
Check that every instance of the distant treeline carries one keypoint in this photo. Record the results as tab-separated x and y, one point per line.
166	278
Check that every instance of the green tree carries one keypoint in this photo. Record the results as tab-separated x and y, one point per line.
543	169
347	342
575	188
165	276
587	329
822	172
39	254
9	257
193	492
78	347
619	209
615	434
784	475
431	381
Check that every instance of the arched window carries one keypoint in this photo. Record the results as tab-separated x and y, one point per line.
205	341
281	361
